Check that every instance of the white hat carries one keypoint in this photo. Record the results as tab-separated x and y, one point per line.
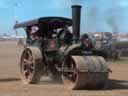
34	29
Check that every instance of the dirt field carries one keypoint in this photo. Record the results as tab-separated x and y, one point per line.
11	85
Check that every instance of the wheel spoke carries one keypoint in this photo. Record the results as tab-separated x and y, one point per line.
26	73
72	66
29	56
31	62
74	76
25	61
32	66
30	59
26	67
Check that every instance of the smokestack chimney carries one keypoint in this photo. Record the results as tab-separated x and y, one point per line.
76	15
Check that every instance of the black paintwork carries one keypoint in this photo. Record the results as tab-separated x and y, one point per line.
50	22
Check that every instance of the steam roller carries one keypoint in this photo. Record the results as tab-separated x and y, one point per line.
62	56
88	72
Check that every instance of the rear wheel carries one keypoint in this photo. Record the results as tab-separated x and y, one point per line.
31	65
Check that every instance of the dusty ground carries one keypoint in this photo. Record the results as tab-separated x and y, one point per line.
11	85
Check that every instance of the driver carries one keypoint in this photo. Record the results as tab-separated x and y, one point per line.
34	33
34	36
86	41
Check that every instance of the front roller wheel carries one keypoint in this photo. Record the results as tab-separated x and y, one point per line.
88	72
31	65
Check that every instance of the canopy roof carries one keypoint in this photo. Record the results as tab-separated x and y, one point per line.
50	22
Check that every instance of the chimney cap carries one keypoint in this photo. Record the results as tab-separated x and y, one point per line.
78	6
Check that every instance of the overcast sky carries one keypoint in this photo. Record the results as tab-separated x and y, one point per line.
97	15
